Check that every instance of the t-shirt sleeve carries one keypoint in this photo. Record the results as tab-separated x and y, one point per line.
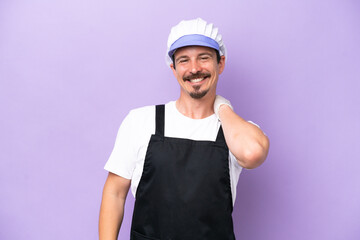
122	160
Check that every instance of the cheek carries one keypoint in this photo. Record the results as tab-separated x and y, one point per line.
180	73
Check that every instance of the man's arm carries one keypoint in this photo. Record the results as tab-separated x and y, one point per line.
246	141
112	206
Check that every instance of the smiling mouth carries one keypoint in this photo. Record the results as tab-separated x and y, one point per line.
196	78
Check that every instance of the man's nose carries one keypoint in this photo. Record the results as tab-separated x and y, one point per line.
195	67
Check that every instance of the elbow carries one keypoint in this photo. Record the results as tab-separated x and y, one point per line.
254	157
252	160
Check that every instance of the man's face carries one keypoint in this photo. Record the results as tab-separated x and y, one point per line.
197	70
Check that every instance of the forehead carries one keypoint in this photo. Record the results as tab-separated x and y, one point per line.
193	50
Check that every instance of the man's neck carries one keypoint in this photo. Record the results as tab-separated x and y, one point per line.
196	108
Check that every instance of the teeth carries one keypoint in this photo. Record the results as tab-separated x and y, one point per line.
196	80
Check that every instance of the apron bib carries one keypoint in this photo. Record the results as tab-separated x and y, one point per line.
184	192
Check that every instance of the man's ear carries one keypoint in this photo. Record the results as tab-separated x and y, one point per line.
221	64
173	69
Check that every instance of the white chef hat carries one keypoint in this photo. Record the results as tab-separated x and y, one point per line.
194	32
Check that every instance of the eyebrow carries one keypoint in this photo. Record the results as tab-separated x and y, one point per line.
206	53
180	57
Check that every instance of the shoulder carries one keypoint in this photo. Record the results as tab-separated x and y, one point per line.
146	112
137	119
140	121
142	113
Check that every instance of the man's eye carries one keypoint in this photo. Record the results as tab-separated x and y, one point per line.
204	58
183	61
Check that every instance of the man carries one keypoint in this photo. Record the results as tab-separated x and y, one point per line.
182	160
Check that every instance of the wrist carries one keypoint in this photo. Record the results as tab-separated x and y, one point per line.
221	103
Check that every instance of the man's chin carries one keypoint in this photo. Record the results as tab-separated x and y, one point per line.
198	94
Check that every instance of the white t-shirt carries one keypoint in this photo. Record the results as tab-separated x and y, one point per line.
128	155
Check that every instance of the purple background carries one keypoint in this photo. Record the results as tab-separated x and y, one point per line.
71	70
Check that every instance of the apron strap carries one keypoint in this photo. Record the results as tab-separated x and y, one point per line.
160	119
220	136
160	124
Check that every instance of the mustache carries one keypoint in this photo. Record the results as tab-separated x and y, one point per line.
196	75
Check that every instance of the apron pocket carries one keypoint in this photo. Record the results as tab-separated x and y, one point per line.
138	236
